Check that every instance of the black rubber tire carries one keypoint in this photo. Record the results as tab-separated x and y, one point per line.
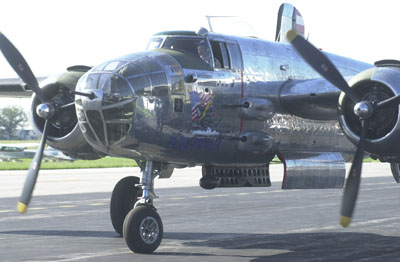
132	228
395	167
123	199
208	182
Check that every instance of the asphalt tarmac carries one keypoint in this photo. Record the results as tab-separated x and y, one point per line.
68	220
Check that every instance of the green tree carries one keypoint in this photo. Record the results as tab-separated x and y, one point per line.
12	118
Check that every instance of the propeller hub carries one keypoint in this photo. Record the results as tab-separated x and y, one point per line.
45	111
363	109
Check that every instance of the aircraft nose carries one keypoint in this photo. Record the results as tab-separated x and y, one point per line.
122	89
106	119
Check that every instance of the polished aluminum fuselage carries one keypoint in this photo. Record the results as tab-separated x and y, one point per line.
291	108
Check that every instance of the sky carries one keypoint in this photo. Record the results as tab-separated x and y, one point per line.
55	34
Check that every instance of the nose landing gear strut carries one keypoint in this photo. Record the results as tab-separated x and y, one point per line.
142	227
133	214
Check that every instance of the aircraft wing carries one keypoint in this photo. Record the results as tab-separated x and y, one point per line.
15	87
315	99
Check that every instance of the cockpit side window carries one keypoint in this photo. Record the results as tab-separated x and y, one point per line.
227	56
235	57
196	46
221	57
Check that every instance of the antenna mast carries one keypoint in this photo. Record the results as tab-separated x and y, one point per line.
209	17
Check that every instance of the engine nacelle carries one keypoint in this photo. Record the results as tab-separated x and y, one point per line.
64	133
383	135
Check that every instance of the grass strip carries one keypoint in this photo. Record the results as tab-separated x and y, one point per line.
106	162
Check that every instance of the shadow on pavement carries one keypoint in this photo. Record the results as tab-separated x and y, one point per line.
335	246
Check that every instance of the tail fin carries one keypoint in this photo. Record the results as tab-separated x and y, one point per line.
289	18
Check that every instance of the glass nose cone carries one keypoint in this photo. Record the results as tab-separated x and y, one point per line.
107	119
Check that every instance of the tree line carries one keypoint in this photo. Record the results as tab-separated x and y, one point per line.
12	118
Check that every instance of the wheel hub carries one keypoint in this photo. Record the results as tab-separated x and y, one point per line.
149	230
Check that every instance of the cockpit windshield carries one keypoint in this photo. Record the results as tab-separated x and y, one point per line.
155	43
198	47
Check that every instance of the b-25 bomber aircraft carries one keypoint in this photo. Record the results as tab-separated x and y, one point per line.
229	104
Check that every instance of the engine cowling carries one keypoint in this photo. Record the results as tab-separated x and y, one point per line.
383	134
64	133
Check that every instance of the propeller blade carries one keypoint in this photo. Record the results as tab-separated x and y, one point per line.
317	60
20	66
33	173
353	180
395	100
67	105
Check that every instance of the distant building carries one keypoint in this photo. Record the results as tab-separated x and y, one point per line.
21	134
26	134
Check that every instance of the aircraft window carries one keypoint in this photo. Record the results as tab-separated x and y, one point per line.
196	46
177	84
115	89
154	43
178	105
221	58
121	87
116	132
78	101
119	113
130	70
109	66
141	85
86	129
225	57
112	65
236	57
148	64
96	121
160	84
105	83
171	64
118	120
91	81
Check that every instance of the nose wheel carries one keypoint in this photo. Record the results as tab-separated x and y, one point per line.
143	229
